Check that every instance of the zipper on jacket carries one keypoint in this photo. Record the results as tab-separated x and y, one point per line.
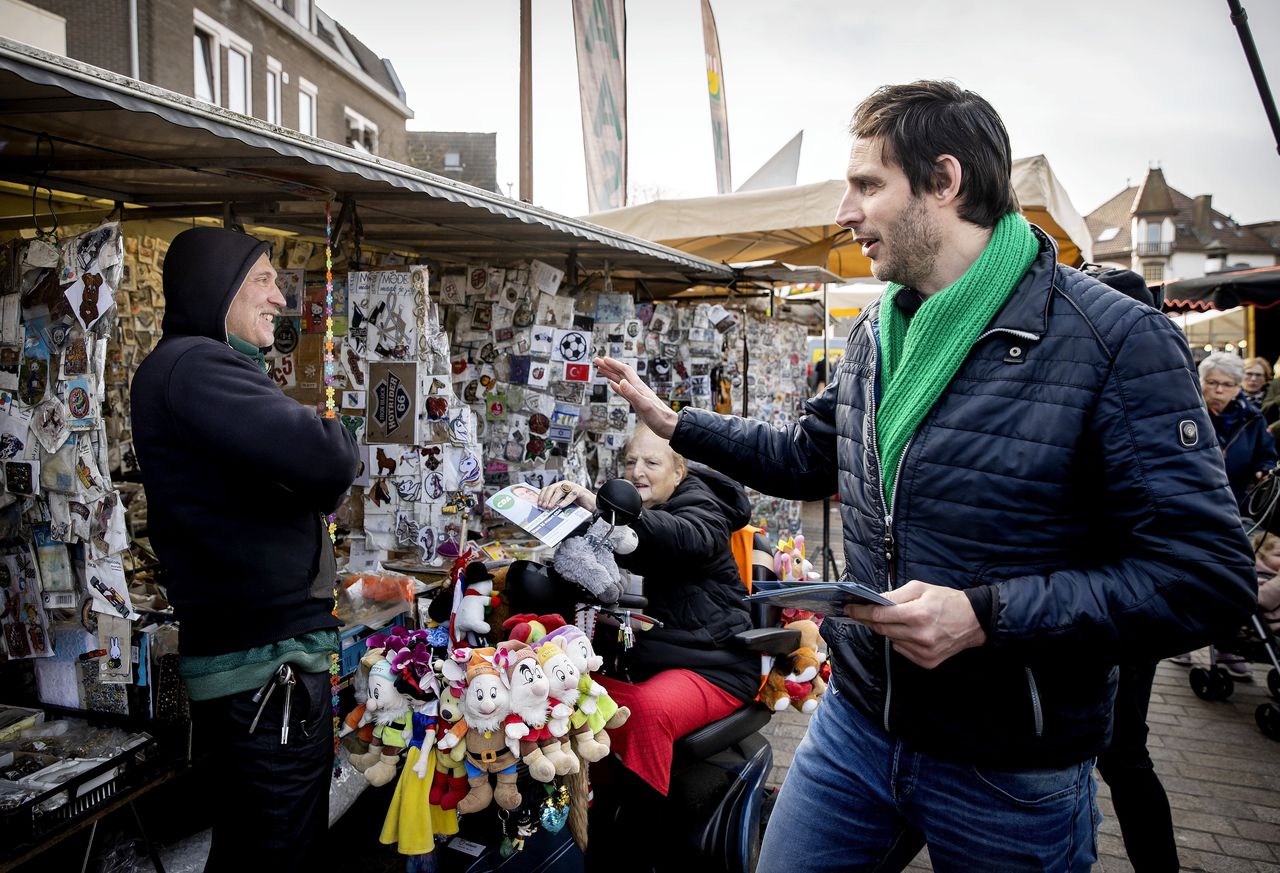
1035	702
1020	334
888	517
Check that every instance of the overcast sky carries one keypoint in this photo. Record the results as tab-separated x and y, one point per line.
1101	87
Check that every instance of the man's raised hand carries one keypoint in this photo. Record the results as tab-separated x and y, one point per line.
660	417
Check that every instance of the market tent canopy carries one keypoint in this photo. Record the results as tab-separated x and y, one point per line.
72	127
1259	287
795	225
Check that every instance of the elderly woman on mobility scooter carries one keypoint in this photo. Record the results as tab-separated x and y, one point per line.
687	674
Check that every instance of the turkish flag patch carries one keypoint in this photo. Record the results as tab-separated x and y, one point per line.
577	372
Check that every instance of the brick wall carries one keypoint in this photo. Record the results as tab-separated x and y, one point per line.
98	33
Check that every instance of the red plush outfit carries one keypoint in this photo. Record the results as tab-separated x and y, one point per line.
664	708
535	734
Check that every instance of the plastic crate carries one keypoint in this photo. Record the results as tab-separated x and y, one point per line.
351	643
31	821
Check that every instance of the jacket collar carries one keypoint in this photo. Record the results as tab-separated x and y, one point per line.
1028	309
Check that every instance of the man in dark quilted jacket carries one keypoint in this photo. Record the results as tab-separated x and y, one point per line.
1026	469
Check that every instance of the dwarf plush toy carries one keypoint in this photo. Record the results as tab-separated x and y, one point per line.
527	731
596	710
486	703
563	679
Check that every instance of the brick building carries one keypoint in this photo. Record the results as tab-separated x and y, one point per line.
462	155
283	61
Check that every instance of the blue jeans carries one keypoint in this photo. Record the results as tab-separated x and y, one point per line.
857	799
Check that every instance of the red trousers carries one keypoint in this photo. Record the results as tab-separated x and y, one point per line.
663	708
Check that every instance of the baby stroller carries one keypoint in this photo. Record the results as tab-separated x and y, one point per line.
1255	642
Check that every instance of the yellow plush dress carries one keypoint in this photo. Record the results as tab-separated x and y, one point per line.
412	821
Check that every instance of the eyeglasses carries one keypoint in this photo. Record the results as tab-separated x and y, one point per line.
1221	386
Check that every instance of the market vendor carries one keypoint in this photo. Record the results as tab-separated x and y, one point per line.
238	479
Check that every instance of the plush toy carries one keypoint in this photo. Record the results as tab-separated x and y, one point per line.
485	706
389	710
796	679
450	784
472	595
587	560
530	628
357	731
563	678
526	727
789	562
412	821
596	710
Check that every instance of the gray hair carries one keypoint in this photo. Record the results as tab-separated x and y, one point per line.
1225	363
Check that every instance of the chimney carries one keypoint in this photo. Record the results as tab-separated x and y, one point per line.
1201	212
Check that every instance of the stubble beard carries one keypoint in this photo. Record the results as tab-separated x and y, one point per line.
913	250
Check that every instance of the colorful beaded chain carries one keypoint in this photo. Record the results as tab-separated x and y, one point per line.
331	412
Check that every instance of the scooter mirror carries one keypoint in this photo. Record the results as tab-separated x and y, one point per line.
619	501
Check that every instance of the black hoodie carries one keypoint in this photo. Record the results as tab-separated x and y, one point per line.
237	475
692	582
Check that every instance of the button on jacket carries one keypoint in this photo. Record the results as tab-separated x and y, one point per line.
1070	464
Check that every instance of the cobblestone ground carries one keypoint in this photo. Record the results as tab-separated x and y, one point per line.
1222	775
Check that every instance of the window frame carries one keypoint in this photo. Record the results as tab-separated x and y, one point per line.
273	91
213	64
306	86
224	38
364	125
1152	271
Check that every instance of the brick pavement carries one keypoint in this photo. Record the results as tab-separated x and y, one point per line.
1222	775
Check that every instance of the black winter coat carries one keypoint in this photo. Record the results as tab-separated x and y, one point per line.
1247	446
237	475
693	586
1071	466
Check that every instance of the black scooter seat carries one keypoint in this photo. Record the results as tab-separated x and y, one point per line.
720	735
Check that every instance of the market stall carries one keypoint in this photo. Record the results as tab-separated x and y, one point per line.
455	331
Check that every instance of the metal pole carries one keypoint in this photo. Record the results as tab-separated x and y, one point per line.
134	68
526	101
746	363
1241	20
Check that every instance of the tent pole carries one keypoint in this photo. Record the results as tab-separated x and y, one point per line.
1240	19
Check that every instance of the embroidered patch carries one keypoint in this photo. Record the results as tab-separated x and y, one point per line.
1188	433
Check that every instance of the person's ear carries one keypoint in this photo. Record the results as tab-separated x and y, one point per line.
947	176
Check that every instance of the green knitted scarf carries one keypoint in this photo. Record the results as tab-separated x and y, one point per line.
919	358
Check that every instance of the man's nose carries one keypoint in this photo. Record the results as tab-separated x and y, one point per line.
849	213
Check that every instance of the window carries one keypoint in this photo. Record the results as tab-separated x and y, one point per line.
274	72
238	99
1153	272
1153	232
224	82
452	161
206	81
307	98
302	12
362	134
1108	234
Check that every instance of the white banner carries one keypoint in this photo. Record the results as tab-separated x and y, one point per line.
600	29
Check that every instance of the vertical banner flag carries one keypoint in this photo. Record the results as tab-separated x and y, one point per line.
715	88
600	28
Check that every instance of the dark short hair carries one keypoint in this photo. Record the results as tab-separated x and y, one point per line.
918	122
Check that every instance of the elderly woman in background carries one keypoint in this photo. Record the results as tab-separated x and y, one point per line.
1257	372
1248	450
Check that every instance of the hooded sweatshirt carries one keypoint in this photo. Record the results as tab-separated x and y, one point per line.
238	476
692	583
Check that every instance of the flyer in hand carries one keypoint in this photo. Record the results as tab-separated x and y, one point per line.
519	504
824	598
